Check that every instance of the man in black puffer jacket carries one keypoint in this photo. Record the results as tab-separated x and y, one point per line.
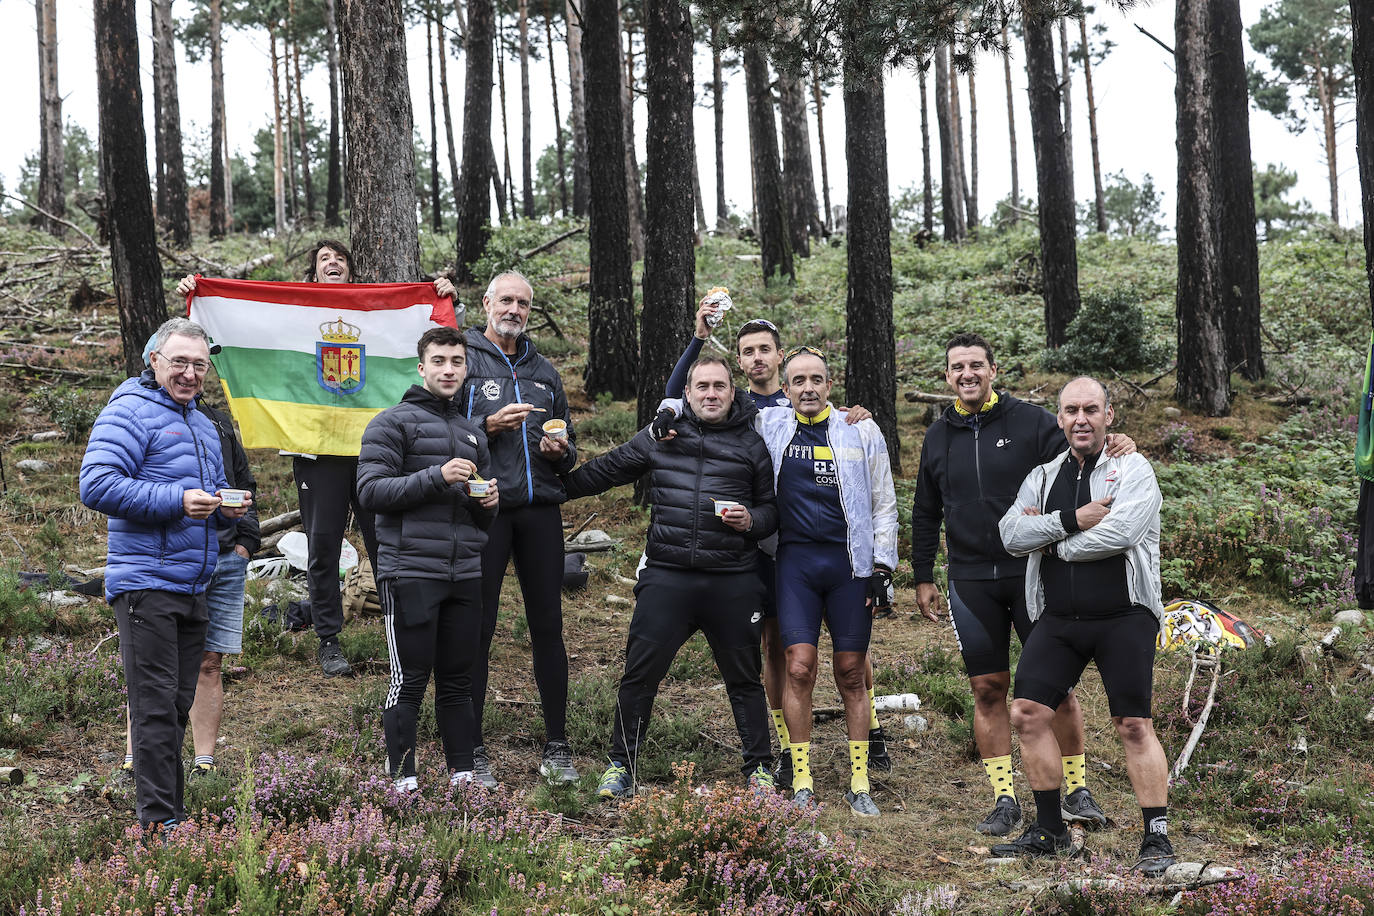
711	488
421	470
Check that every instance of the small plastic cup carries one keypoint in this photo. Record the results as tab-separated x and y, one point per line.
724	504
556	429
478	487
231	499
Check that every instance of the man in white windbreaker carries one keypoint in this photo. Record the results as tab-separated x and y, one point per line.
1089	526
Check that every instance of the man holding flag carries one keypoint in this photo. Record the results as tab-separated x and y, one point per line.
304	370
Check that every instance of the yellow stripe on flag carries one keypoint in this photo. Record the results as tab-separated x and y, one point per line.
313	428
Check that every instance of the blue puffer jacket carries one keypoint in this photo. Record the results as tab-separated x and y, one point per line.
145	452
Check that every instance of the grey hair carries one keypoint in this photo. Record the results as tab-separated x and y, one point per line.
178	326
1106	395
491	287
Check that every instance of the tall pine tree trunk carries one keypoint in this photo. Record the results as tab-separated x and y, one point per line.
697	202
775	242
278	178
950	197
219	165
478	157
577	94
334	186
1099	199
177	216
498	185
1326	104
508	190
436	216
956	129
137	271
557	117
448	115
870	359
1011	135
611	339
1362	17
927	185
159	161
1058	239
51	196
1203	377
718	110
1066	93
309	186
526	156
973	218
632	178
818	97
798	184
381	161
669	257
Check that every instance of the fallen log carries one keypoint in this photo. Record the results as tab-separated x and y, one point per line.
283	522
540	249
241	271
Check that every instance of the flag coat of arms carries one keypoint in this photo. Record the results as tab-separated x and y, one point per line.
305	366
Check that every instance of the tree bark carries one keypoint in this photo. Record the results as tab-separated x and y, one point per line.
381	161
669	256
557	116
697	202
1011	132
334	187
278	178
632	177
219	165
159	161
819	98
137	271
1066	94
927	186
950	210
309	215
1099	199
956	129
1058	234
1239	251
436	218
1202	375
1326	103
576	92
526	156
973	219
457	186
288	121
718	110
509	189
1362	59
771	221
798	184
478	156
51	195
611	339
498	185
177	216
870	359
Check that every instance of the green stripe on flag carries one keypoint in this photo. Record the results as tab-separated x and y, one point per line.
285	375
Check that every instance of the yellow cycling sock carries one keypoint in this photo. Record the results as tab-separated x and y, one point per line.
872	711
858	766
999	774
781	725
801	766
1075	771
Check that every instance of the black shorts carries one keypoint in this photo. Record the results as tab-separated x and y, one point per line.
983	612
1059	649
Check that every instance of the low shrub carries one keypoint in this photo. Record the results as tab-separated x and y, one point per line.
1333	882
44	685
71	410
1109	332
609	425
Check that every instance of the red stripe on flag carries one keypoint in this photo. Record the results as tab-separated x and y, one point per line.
357	297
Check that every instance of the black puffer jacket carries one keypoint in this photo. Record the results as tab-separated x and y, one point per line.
971	468
426	528
495	380
726	460
240	476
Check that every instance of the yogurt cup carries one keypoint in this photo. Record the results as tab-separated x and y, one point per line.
556	429
723	504
478	487
231	499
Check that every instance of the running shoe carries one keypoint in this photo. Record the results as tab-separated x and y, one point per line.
1156	855
1035	843
1079	808
861	804
407	784
761	782
616	782
557	765
1003	819
804	799
332	661
481	768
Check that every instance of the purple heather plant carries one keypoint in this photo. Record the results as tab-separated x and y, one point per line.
1333	882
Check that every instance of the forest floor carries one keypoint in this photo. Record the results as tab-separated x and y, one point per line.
1259	518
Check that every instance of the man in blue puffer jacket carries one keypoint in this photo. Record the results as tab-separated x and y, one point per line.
153	465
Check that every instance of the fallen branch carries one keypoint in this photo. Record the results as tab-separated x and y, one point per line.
281	522
243	270
1181	763
1136	388
1154	381
57	219
925	397
67	373
551	243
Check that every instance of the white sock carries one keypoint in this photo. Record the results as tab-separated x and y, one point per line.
207	759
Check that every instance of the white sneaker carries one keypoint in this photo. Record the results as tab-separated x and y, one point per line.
460	778
407	784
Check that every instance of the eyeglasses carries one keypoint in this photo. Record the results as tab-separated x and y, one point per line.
179	365
796	351
754	324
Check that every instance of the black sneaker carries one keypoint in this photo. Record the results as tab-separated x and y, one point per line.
878	758
1003	819
1034	843
783	774
557	765
332	661
1079	808
1156	855
481	768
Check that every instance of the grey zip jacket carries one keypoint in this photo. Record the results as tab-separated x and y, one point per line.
1130	528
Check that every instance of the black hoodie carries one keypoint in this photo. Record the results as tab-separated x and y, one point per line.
971	467
704	461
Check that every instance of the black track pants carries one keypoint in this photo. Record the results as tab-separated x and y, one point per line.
327	487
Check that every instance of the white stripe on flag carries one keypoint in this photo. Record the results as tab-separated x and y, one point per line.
283	326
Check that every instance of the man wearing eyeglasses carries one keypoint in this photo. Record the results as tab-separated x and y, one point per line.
154	466
759	355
